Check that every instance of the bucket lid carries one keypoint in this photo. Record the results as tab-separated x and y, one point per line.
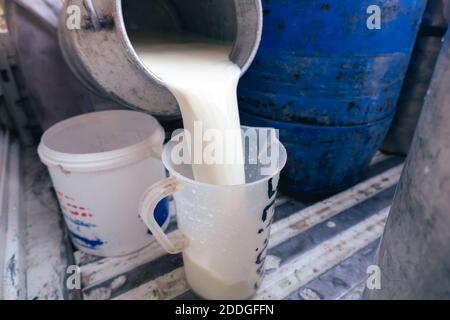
101	141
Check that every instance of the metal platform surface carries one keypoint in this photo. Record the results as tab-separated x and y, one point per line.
317	250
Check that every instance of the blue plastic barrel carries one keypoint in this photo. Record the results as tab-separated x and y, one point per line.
319	63
329	83
323	160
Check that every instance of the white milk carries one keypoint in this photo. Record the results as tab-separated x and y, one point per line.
204	81
207	283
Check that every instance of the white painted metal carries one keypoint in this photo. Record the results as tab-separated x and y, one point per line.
166	287
93	264
4	149
314	262
356	293
108	268
324	210
46	251
379	157
10	89
13	260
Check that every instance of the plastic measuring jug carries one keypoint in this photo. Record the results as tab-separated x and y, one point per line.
225	229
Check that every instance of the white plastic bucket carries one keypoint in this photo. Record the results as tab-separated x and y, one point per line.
100	164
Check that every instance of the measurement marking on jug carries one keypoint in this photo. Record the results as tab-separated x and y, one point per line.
272	191
267	210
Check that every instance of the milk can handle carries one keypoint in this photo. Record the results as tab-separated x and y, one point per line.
149	201
92	14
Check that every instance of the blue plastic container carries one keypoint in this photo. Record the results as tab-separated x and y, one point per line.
324	160
319	63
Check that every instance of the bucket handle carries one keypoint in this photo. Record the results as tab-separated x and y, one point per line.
150	199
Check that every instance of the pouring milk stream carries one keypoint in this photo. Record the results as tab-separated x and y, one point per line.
204	81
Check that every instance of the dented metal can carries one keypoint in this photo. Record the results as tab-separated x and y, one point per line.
101	54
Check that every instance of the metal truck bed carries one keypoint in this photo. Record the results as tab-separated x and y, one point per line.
317	250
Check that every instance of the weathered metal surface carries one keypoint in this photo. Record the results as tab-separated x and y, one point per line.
4	151
417	80
414	255
332	286
54	92
11	89
107	268
48	253
324	159
44	10
415	88
299	229
168	286
434	15
12	223
378	157
319	63
101	57
285	275
328	208
356	293
321	258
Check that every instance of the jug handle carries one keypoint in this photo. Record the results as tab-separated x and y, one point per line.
150	199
